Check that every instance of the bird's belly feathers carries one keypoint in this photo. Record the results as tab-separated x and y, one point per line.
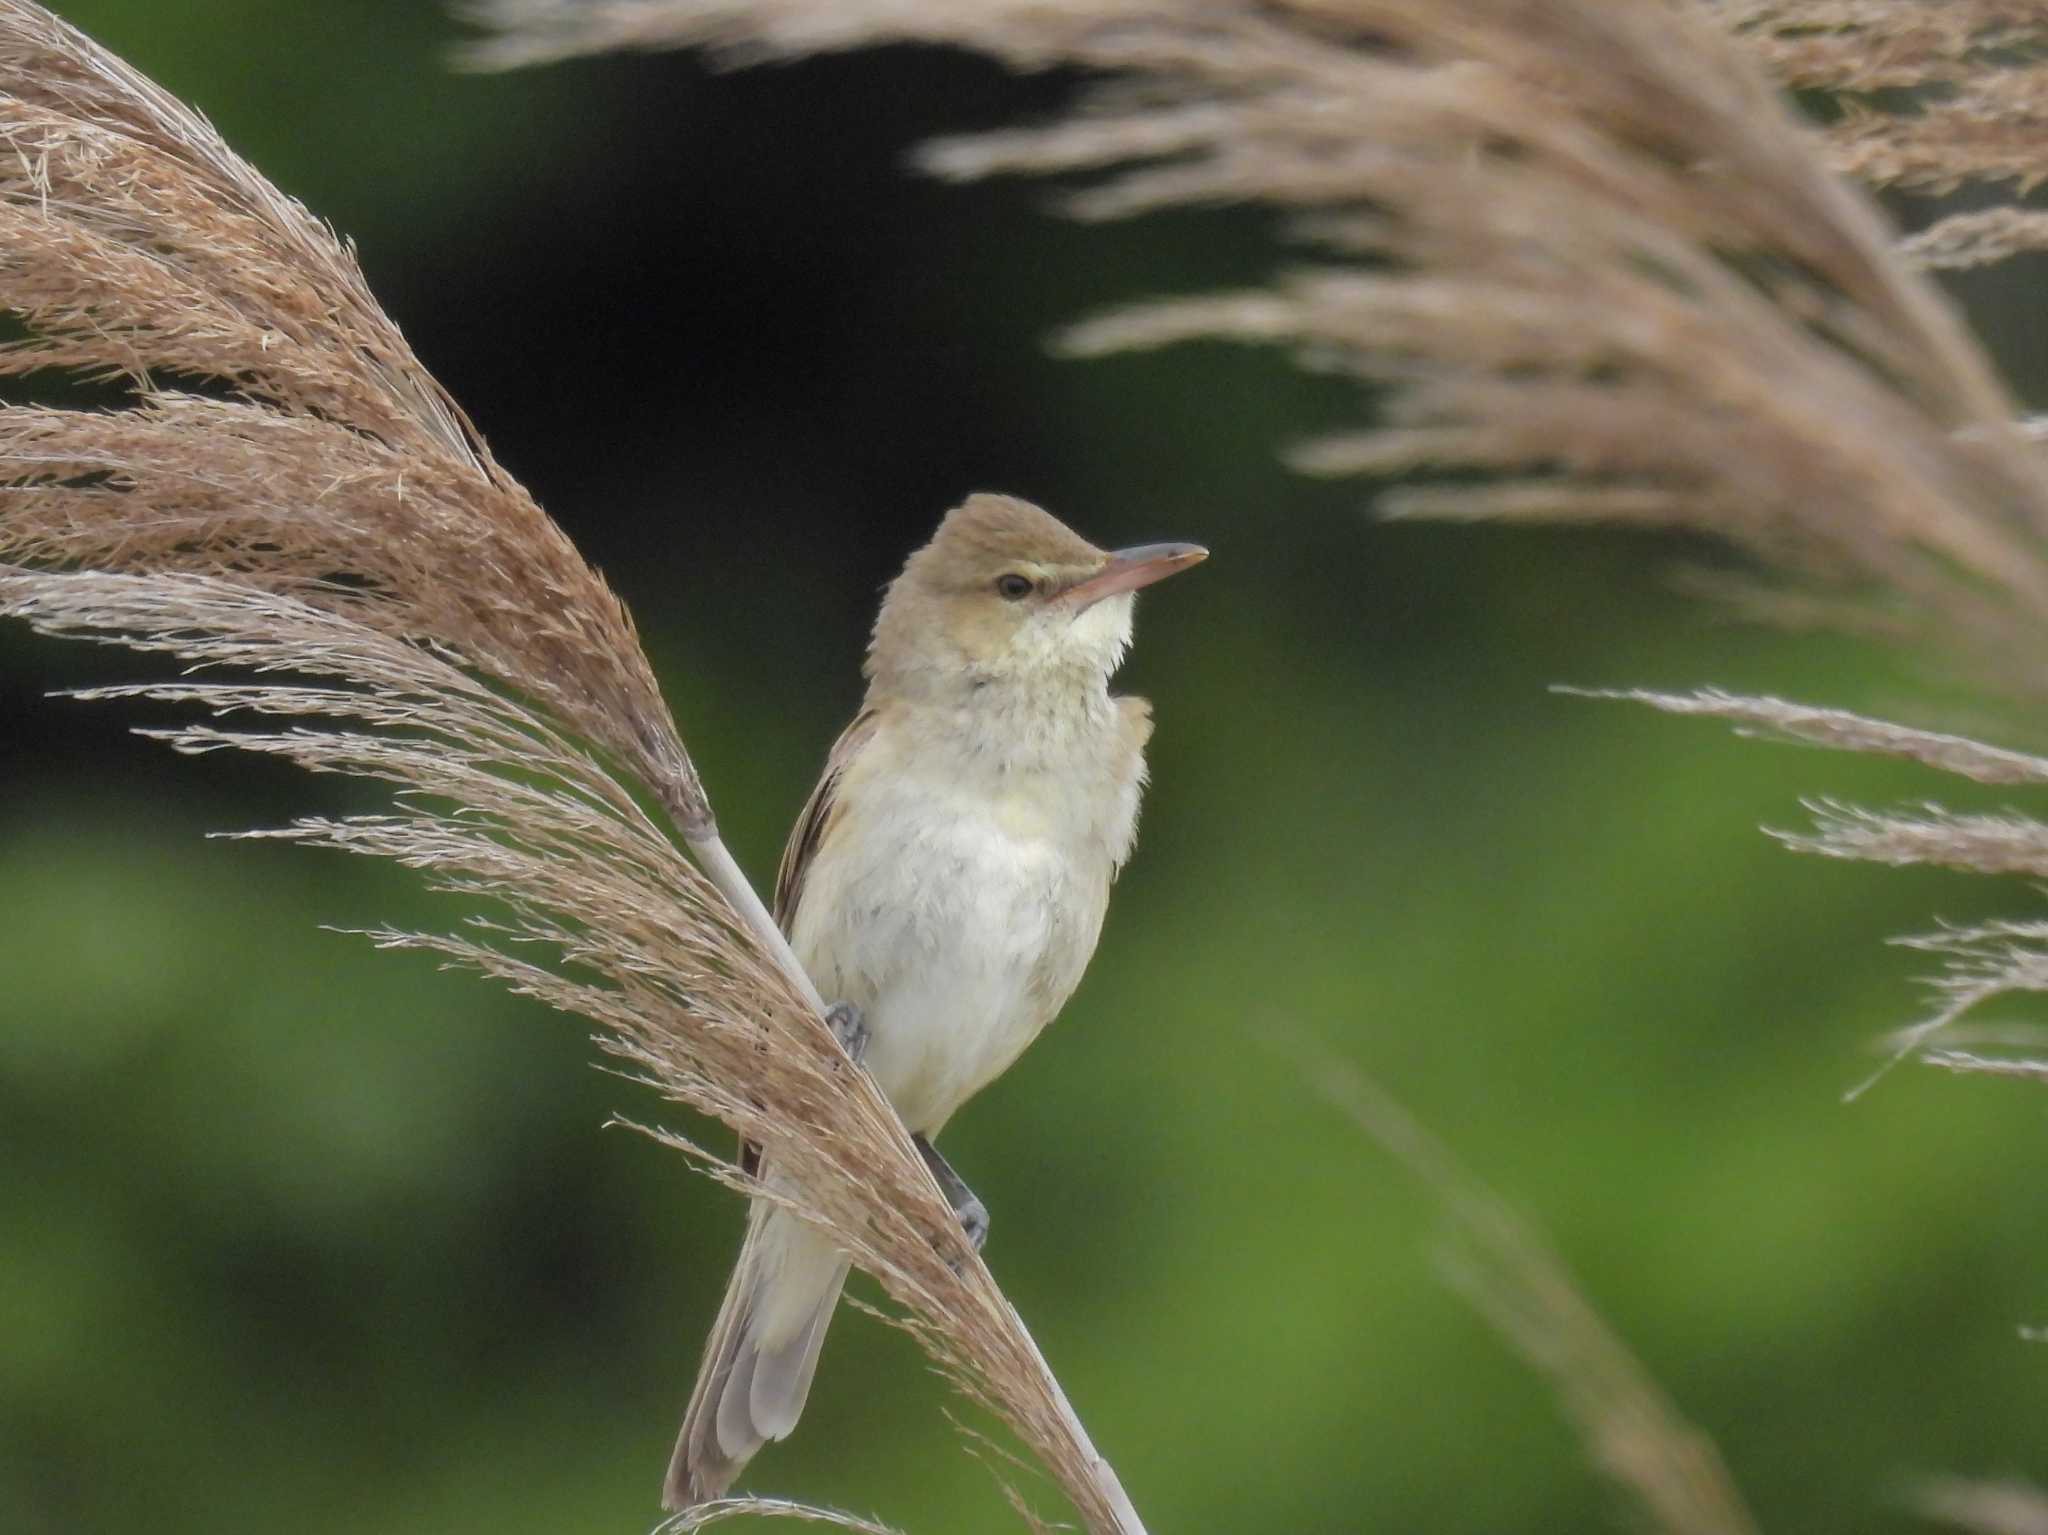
960	925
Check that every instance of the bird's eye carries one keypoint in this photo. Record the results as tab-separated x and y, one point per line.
1013	586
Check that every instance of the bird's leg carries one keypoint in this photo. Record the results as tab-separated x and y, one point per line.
850	1028
973	1214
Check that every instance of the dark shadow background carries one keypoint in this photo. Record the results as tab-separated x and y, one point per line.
297	1235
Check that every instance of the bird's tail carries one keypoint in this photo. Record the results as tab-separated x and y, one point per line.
761	1356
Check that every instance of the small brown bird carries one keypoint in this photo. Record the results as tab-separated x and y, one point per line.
946	882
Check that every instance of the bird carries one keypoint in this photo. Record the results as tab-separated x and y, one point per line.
945	883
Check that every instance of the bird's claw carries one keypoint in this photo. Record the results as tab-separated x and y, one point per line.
967	1206
850	1028
973	1221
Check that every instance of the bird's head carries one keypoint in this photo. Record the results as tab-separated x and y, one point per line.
1005	592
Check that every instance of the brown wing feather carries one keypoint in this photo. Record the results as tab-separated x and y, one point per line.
816	819
812	822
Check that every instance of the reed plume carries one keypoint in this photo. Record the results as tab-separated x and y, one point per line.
1924	98
1587	265
285	500
1580	250
1582	261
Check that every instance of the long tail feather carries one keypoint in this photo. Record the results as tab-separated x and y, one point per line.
761	1356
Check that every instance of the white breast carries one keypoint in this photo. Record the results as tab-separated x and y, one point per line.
958	909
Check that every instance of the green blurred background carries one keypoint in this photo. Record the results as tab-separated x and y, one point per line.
297	1235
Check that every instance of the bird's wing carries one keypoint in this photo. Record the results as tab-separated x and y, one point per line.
816	819
805	838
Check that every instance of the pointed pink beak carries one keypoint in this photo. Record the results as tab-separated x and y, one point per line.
1129	569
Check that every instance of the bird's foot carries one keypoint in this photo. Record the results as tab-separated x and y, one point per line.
973	1219
967	1207
850	1028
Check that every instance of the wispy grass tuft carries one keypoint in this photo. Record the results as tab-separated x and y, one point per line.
1582	260
286	501
1586	264
1927	98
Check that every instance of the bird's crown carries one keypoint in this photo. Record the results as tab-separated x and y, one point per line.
987	530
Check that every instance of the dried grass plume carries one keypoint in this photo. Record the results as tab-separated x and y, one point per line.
285	500
1585	263
1581	259
1927	97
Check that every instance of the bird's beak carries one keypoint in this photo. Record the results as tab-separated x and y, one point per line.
1129	569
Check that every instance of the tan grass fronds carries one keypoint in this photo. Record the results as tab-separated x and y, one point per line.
1927	96
135	244
1981	238
1984	963
1987	1507
1931	94
1581	253
285	500
1519	1283
1980	844
1767	718
1969	1063
2021	1052
1580	250
1998	1036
